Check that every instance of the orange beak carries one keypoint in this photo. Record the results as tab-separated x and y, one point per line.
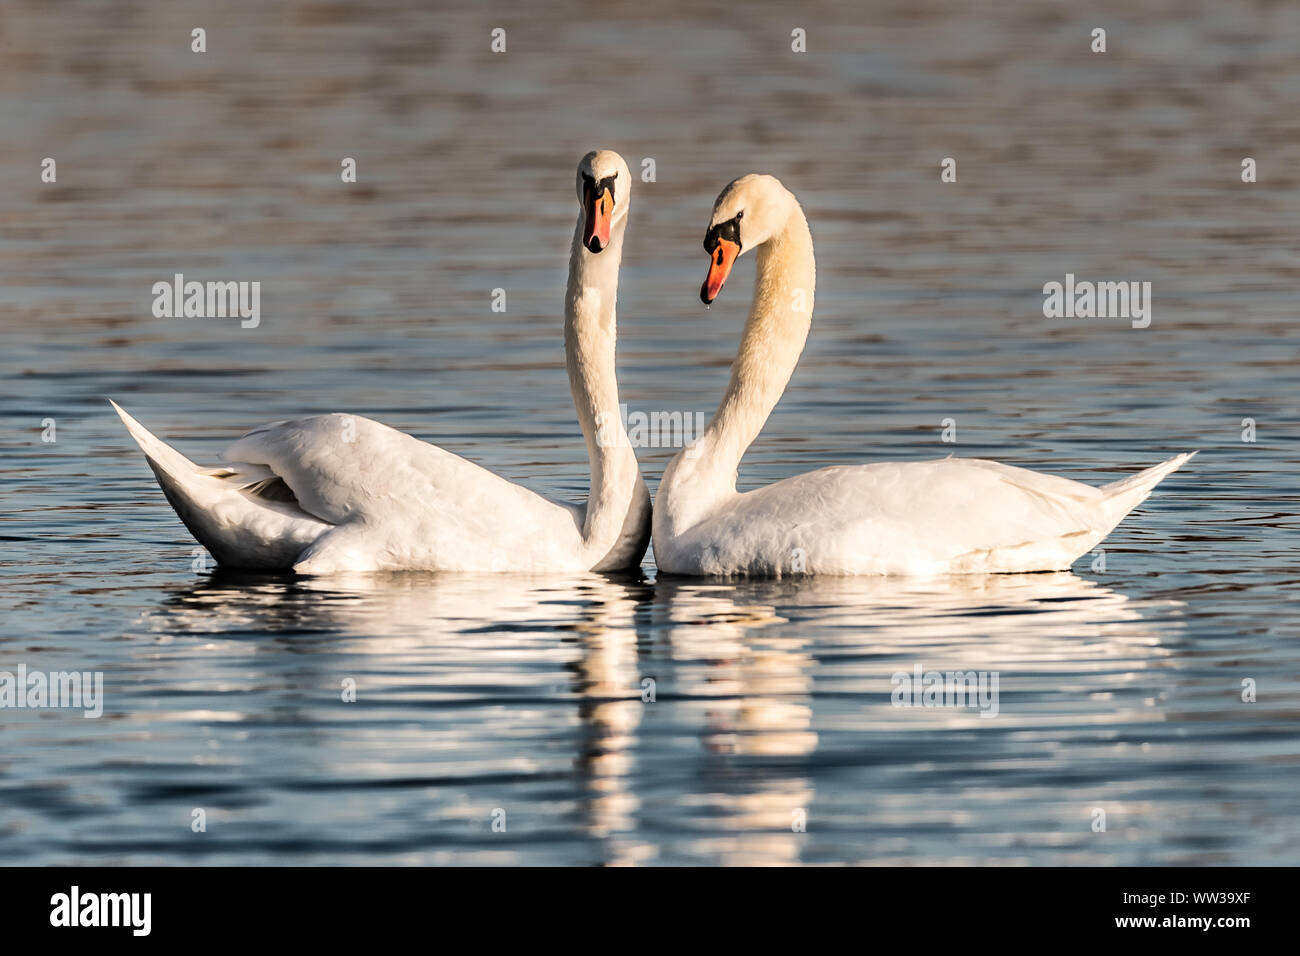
595	233
721	260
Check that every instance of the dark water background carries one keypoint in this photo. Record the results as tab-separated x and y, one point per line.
1120	690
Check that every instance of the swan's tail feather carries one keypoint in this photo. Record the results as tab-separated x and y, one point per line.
238	524
1145	480
1124	495
162	456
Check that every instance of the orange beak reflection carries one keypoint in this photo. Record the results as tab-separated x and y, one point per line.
722	259
595	234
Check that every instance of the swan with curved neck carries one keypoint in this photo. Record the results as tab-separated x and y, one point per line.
916	518
344	493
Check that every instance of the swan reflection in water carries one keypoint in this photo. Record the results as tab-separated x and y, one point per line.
700	705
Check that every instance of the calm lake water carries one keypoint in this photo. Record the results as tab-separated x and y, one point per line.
519	701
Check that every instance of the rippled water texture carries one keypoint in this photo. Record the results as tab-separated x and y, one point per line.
518	703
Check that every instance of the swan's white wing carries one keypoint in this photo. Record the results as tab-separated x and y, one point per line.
962	515
339	466
945	516
402	502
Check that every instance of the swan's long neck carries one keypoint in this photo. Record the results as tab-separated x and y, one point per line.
773	340
770	346
589	336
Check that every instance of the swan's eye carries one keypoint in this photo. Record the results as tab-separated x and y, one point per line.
729	230
597	188
741	214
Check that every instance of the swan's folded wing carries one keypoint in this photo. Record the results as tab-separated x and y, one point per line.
339	466
916	517
976	515
987	512
945	499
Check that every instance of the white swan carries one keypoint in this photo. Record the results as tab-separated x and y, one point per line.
919	518
344	493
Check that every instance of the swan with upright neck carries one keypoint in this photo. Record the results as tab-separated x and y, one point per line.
916	518
343	493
